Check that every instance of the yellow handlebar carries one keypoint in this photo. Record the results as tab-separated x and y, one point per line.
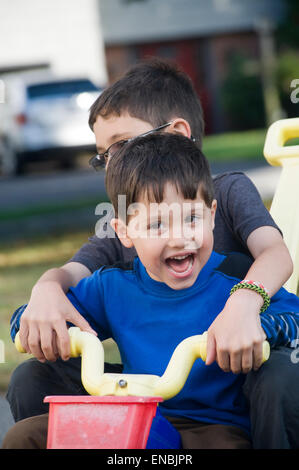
95	382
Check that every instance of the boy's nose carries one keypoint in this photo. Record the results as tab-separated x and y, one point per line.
180	238
175	242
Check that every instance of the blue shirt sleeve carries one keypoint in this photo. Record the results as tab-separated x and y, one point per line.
281	320
15	321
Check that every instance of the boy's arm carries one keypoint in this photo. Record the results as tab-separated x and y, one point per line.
272	261
87	303
235	337
43	328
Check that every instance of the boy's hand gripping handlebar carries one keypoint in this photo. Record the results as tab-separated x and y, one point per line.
95	382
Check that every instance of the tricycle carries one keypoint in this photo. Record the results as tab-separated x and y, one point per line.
120	408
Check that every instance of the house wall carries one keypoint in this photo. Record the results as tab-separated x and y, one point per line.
204	59
200	35
66	34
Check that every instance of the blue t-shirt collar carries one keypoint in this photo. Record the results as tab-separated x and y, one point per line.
162	289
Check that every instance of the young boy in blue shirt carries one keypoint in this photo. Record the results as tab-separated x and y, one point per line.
174	288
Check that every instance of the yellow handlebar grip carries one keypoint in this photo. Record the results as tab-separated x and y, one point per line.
266	351
18	344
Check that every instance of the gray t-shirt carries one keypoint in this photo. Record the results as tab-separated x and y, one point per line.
240	211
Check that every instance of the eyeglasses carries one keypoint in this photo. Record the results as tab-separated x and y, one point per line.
100	160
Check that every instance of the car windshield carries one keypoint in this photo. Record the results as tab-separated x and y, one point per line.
60	88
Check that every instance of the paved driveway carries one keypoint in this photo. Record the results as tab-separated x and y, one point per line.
47	189
65	187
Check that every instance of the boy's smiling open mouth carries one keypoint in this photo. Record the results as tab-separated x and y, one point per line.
181	264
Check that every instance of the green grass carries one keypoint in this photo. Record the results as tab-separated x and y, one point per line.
21	264
231	146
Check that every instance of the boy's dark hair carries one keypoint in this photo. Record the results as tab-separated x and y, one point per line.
143	167
155	91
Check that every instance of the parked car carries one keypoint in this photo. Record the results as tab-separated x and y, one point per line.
44	119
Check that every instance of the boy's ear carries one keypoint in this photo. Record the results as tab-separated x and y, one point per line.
120	229
213	212
180	126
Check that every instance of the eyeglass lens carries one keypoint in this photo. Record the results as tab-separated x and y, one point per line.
100	160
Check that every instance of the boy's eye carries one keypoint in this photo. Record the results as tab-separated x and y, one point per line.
157	225
192	219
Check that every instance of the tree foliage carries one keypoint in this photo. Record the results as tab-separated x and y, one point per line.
287	33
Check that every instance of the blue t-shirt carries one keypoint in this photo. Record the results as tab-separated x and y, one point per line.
148	319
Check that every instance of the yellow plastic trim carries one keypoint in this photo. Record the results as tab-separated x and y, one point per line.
285	204
277	136
95	382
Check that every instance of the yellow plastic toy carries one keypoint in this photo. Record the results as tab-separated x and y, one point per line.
285	204
95	382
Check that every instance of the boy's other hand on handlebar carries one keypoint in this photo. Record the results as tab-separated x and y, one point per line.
43	325
235	338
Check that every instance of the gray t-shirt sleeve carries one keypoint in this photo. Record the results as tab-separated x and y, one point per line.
240	211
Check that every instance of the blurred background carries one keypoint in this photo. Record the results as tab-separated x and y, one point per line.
56	56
